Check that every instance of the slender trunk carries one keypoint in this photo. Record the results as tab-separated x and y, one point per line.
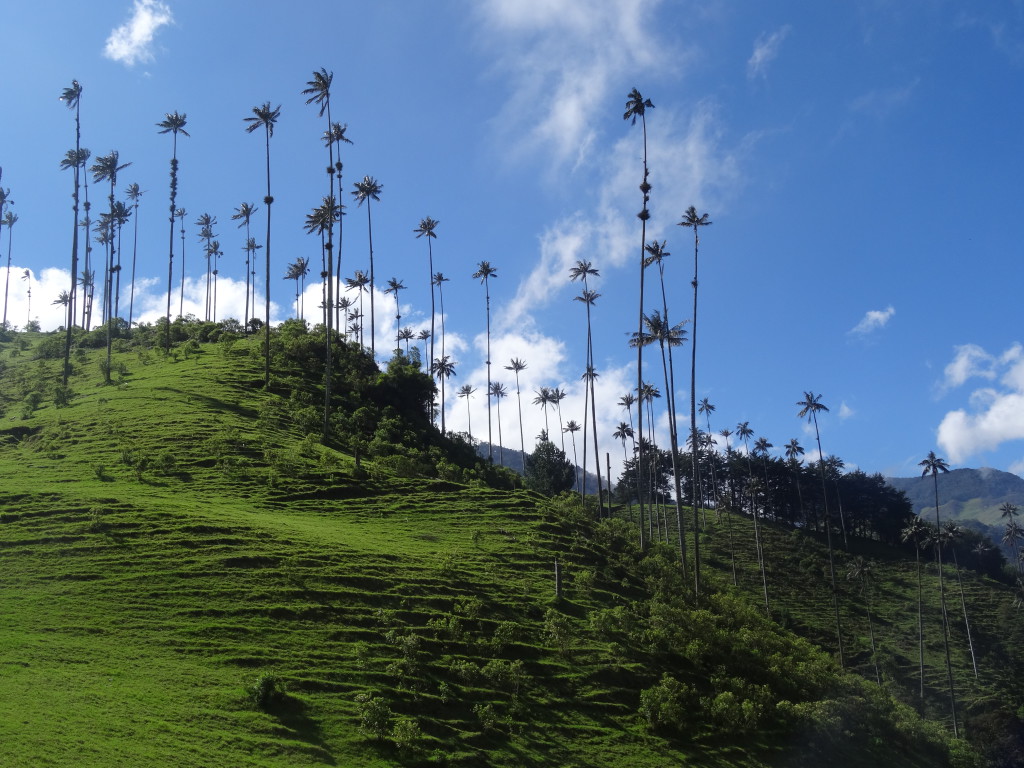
942	605
920	619
170	247
693	419
519	398
963	605
268	201
430	262
329	302
181	295
490	442
135	253
640	333
828	538
74	256
373	333
871	631
7	281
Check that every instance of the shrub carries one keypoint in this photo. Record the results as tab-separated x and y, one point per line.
406	734
265	692
665	704
374	716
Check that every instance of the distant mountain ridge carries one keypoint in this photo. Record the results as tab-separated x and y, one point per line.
964	494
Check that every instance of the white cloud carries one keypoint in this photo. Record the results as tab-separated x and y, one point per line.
873	320
132	42
970	361
1017	468
881	101
766	48
565	56
996	413
845	411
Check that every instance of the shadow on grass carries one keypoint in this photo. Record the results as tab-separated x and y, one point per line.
293	715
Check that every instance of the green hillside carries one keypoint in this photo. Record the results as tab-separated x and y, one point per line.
190	578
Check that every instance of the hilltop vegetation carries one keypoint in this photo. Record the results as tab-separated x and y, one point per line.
193	577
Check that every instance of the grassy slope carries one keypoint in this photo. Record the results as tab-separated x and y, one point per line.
137	607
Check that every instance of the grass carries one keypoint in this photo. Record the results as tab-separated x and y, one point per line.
403	621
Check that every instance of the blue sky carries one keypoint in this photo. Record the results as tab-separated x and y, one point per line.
861	163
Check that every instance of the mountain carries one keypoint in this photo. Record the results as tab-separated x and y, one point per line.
964	494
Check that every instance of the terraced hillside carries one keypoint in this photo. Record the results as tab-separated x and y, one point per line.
186	578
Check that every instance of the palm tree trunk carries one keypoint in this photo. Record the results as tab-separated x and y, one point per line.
74	255
920	619
828	538
373	333
963	605
942	605
268	201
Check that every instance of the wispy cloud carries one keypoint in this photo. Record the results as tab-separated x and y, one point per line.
766	48
995	414
846	412
873	320
132	42
881	101
559	57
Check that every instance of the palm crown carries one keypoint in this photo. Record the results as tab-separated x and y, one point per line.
173	123
263	115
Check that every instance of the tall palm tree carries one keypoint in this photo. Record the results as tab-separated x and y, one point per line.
319	92
266	117
951	533
206	223
243	215
1007	511
915	532
181	213
810	406
394	286
862	570
106	168
583	270
122	213
365	191
589	377
637	106
439	280
134	194
336	134
793	453
174	124
358	282
426	229
557	395
622	432
515	365
71	96
705	407
498	391
28	276
667	337
466	391
933	465
834	467
543	399
484	273
9	220
744	433
572	428
443	368
691	219
406	335
423	335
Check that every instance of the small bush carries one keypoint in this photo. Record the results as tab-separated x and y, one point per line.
407	734
375	716
265	692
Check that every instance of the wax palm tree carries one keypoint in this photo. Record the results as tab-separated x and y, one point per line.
215	255
71	96
543	399
426	229
122	213
793	453
358	282
622	432
319	92
406	334
466	391
9	220
950	534
206	223
365	191
666	336
515	365
557	396
933	465
705	407
915	533
484	273
181	213
727	433
862	570
1007	511
443	368
243	215
810	406
28	276
394	286
637	106
134	194
834	468
423	335
106	168
174	124
336	134
744	433
589	377
572	428
266	117
498	391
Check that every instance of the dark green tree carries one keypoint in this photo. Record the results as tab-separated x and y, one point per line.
548	471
